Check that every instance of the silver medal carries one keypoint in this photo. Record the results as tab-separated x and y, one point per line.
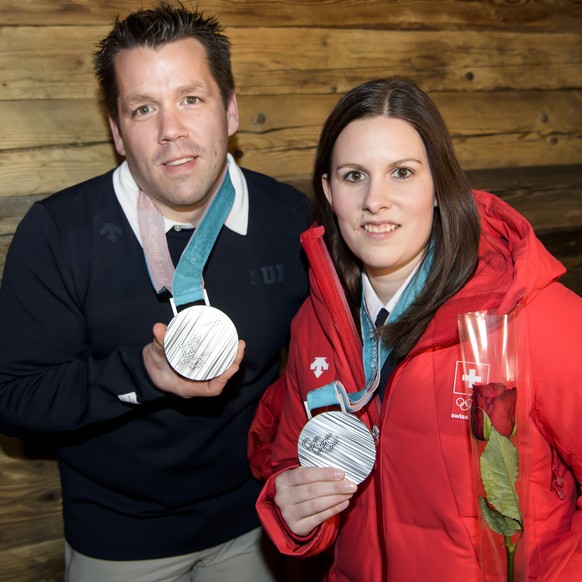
201	342
338	439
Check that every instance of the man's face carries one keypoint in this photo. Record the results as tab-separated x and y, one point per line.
173	125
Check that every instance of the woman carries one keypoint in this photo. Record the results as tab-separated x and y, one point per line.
406	233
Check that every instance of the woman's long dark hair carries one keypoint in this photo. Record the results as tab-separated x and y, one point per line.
455	230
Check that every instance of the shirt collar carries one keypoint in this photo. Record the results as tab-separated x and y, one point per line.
237	220
373	303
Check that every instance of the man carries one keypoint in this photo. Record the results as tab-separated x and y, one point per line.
156	484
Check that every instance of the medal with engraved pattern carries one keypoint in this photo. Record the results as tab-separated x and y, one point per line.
338	439
201	342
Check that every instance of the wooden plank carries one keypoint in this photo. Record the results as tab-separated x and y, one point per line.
31	528
550	198
334	61
22	528
548	115
36	562
34	66
33	124
50	169
391	14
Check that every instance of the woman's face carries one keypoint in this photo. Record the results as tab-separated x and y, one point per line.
380	187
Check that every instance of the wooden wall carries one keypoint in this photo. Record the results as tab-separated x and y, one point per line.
507	75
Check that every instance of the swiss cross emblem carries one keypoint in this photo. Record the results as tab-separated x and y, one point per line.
466	374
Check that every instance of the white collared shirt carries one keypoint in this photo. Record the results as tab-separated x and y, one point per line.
237	220
373	303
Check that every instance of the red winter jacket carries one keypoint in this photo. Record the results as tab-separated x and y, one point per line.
415	518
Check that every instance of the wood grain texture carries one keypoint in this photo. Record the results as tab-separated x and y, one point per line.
40	561
312	60
548	15
31	531
550	198
30	123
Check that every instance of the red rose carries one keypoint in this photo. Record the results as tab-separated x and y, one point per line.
498	402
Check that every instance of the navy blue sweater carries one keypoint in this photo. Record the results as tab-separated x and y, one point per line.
168	476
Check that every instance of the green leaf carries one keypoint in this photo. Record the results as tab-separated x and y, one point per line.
499	467
499	523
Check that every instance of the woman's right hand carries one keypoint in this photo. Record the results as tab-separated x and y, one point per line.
308	496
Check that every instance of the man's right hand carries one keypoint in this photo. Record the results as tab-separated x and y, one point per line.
308	496
167	379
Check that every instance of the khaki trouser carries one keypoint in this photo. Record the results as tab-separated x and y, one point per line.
241	559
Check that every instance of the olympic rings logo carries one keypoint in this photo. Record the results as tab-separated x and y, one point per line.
464	404
319	444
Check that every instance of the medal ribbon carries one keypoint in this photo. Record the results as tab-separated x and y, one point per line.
374	352
185	282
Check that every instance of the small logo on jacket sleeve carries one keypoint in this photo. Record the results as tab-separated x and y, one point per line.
319	366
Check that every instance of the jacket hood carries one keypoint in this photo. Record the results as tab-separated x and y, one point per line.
532	267
514	266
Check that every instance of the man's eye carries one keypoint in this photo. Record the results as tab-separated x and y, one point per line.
143	110
192	100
